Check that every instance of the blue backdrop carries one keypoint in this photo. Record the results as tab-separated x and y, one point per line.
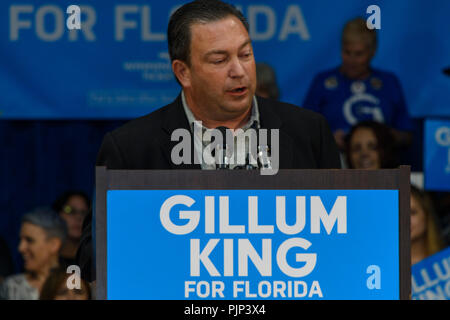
117	65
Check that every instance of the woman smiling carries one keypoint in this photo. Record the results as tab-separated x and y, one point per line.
42	235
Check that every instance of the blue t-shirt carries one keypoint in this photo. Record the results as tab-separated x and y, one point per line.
345	102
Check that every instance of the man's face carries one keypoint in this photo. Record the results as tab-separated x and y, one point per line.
222	74
356	58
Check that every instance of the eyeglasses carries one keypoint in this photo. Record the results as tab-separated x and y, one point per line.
73	211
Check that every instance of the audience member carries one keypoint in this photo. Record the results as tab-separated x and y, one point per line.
42	235
369	145
266	82
426	238
56	288
355	91
72	206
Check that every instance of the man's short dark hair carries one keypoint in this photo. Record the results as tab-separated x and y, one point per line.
199	11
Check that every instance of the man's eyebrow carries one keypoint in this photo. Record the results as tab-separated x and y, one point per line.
209	53
248	41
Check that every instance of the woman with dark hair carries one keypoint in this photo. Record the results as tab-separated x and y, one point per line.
370	145
42	235
426	238
56	288
72	206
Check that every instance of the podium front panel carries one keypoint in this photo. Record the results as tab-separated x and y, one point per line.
197	235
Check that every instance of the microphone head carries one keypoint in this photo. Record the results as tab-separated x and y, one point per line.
224	159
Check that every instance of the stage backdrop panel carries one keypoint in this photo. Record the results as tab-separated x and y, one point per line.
117	65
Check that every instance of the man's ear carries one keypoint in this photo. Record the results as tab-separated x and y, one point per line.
182	72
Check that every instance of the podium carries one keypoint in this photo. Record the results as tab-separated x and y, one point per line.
236	234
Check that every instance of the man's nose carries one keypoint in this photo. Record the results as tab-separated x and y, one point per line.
236	69
351	57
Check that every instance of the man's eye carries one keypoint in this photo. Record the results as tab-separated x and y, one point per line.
217	60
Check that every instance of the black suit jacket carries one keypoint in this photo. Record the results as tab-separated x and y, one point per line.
306	142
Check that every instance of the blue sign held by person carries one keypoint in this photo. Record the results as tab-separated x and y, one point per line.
431	277
437	155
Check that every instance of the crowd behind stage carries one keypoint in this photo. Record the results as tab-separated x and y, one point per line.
369	137
50	236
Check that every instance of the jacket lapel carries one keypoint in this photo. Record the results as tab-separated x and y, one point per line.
270	120
173	119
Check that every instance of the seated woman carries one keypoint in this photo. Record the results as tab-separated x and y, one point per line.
42	235
56	288
426	238
369	145
72	206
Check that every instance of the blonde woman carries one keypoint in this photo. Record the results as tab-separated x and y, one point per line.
426	238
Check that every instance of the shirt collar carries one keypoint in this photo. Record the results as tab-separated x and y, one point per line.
253	122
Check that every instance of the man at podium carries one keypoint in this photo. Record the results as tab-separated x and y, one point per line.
213	61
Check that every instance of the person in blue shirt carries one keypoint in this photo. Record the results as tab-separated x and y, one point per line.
355	91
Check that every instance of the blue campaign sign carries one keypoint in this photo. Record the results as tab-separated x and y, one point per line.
252	244
117	64
431	277
437	155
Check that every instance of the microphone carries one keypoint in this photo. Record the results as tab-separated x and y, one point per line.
264	158
224	162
